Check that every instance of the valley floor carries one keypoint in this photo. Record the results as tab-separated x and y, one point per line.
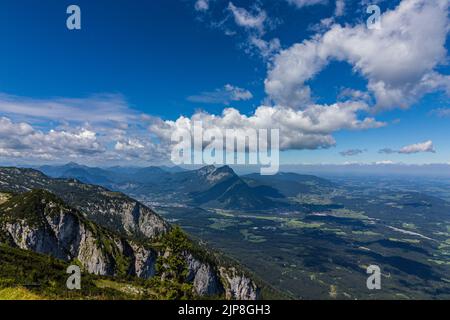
323	253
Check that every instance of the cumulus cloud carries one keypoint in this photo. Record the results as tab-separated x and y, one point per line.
101	128
22	140
311	128
398	60
426	146
148	139
139	148
223	95
351	152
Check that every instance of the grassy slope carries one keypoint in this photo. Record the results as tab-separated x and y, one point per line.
26	275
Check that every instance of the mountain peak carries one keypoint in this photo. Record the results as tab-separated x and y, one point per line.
226	170
207	170
212	168
73	165
214	175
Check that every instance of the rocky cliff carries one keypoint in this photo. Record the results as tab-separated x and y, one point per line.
41	222
97	231
112	210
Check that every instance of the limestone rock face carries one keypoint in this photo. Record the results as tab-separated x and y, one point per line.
63	233
112	210
210	281
28	238
145	262
238	286
204	278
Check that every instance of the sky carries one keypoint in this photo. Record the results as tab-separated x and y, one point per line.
137	71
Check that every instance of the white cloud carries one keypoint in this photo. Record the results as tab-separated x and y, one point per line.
311	128
245	19
223	95
130	144
101	128
22	140
384	162
252	24
266	49
139	148
399	60
426	146
323	25
102	108
201	5
305	3
340	8
98	142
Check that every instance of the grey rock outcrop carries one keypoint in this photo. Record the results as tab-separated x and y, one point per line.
64	234
238	286
204	277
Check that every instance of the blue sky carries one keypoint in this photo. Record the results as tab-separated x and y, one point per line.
144	64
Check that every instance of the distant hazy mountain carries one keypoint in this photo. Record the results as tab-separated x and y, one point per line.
108	176
82	173
375	169
289	184
174	169
207	186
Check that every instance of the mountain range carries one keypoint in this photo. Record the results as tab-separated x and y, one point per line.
208	187
110	234
305	236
